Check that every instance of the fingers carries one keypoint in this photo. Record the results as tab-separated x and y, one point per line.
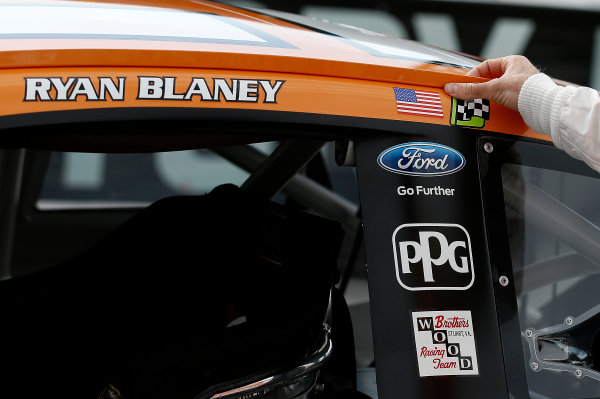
492	68
468	91
506	74
497	67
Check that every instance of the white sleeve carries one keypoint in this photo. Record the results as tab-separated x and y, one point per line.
571	116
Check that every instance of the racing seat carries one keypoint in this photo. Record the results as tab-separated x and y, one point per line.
152	308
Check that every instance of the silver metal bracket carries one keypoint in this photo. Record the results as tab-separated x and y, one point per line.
557	337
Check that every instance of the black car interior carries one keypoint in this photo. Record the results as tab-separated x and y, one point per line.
151	308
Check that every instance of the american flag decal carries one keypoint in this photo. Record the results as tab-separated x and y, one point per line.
418	102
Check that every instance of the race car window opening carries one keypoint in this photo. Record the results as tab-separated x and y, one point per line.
94	192
552	220
84	196
100	181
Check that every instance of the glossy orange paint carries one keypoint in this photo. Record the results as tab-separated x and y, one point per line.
310	52
324	74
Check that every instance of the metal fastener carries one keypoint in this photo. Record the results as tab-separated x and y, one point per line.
578	373
488	147
529	333
569	320
503	280
534	366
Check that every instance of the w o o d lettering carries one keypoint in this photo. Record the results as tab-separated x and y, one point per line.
445	343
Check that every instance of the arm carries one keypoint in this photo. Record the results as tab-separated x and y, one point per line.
571	116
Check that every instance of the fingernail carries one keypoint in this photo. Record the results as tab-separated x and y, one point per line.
451	88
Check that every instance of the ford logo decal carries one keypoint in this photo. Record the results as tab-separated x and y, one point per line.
421	159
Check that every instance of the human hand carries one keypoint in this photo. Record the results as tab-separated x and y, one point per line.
508	75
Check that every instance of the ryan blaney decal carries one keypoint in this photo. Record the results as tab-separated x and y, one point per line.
445	343
152	88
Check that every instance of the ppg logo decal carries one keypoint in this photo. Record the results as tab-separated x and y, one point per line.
431	256
445	343
421	159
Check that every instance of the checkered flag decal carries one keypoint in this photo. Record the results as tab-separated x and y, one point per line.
466	109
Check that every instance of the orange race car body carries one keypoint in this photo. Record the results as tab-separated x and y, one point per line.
208	55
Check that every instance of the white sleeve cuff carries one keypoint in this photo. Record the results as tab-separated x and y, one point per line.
540	103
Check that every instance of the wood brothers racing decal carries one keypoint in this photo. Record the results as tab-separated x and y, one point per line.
152	88
444	343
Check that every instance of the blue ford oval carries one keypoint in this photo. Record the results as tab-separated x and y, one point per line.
421	159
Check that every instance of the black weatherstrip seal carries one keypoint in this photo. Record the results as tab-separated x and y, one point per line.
150	129
116	114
